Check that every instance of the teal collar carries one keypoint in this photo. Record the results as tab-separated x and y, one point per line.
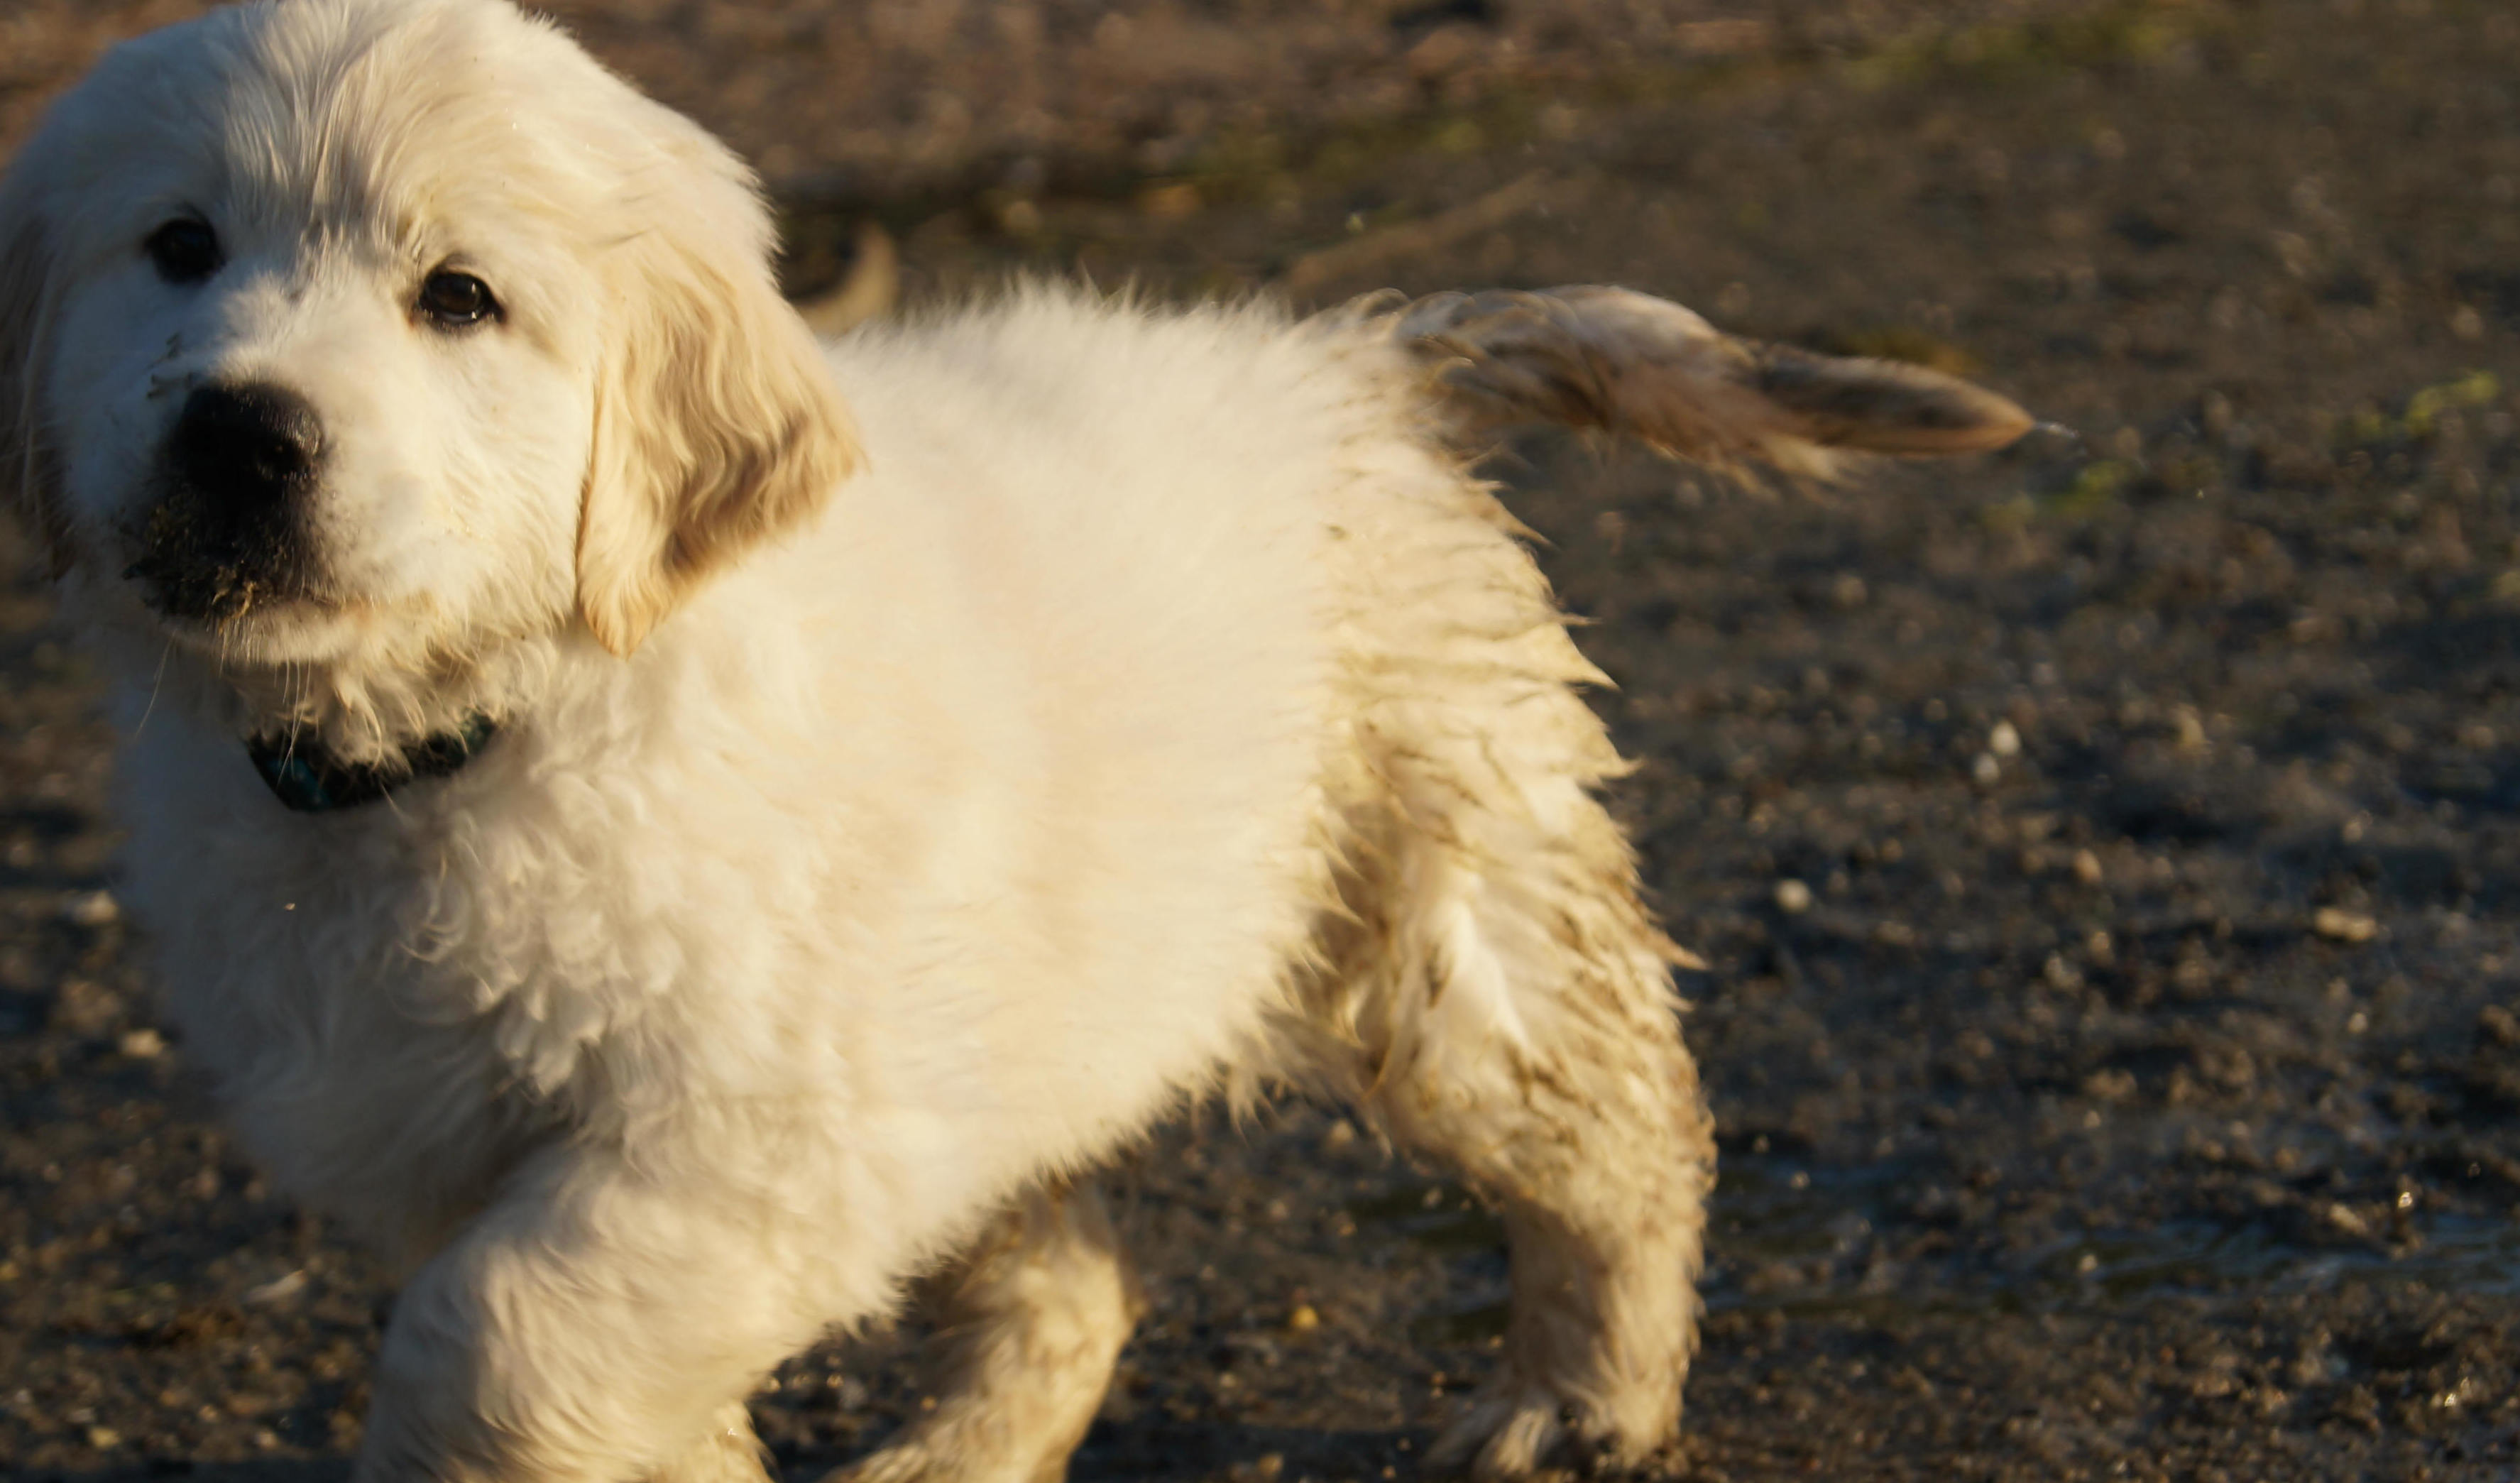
305	774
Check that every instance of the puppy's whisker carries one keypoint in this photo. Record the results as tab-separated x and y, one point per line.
156	683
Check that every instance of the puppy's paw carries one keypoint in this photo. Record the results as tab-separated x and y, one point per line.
945	1455
729	1454
1515	1430
902	1463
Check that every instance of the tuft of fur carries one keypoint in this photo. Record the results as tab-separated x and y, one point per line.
925	759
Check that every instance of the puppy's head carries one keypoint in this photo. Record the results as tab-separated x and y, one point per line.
344	329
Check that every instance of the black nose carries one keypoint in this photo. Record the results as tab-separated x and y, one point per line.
246	447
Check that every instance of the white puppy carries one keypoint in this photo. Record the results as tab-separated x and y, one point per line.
673	829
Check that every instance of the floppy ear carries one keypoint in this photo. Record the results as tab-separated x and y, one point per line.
716	423
30	476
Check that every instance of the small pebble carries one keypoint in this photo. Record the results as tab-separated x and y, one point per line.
2003	741
279	1289
1303	1320
1986	770
2341	925
1170	203
2087	868
1793	897
142	1043
1020	219
93	908
104	1438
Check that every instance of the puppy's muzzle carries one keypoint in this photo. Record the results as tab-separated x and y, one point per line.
236	480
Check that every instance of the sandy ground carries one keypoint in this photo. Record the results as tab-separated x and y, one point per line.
2106	852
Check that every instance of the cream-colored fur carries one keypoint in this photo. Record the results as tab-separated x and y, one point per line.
923	762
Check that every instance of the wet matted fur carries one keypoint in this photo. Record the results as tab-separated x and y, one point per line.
900	769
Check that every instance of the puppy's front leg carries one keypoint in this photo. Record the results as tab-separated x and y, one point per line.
593	1324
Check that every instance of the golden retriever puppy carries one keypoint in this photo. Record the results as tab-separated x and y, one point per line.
672	828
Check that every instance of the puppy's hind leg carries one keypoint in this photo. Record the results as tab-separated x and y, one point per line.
1517	1023
1033	1320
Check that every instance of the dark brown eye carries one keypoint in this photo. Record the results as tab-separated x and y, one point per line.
456	299
185	250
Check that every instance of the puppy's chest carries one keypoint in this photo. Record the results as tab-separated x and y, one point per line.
384	934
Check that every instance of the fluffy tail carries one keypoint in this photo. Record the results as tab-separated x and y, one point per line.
1628	363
